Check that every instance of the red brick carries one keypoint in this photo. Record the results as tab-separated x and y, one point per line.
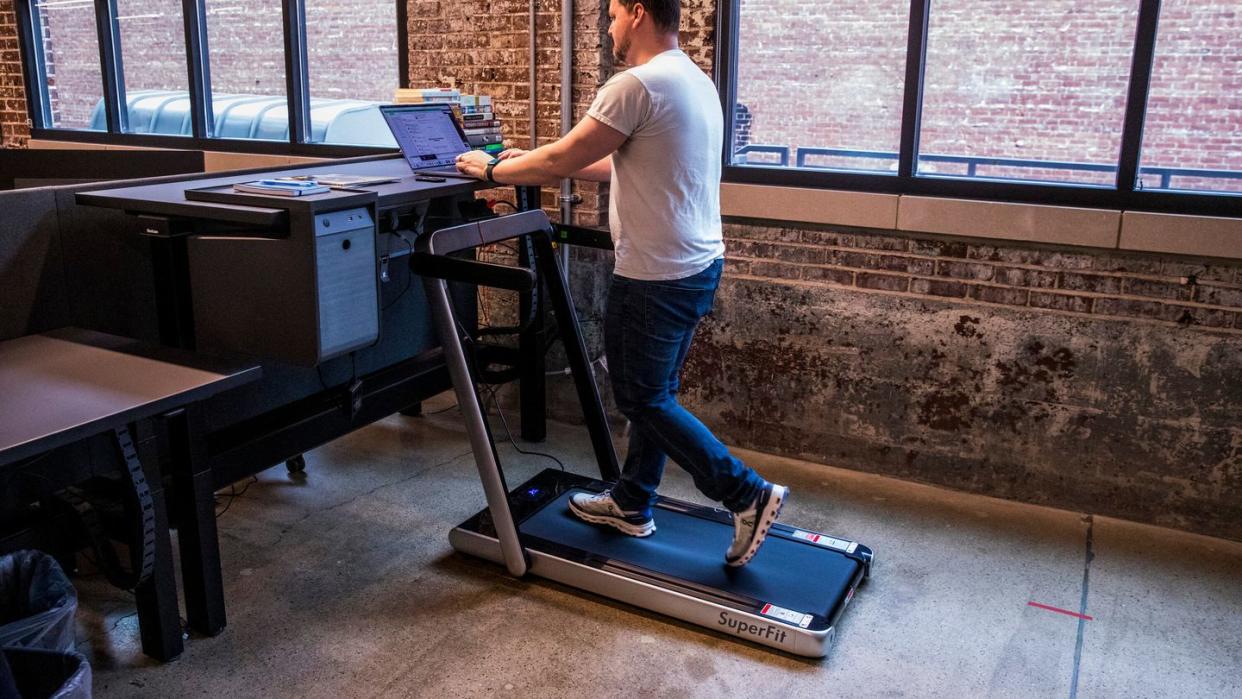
1219	295
1000	294
1090	282
1192	315
939	248
1131	308
803	254
938	287
873	241
964	270
881	282
1060	302
776	270
831	275
1157	289
866	260
1017	276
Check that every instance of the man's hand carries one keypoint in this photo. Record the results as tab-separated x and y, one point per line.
473	163
511	153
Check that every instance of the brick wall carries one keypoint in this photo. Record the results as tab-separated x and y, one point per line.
1101	381
13	129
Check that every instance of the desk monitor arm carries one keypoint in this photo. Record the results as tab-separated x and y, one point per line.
429	261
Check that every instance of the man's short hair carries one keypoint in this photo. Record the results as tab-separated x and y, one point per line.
665	13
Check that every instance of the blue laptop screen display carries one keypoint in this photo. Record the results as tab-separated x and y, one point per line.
428	136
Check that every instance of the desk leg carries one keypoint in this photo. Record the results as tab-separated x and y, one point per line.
532	368
201	578
159	620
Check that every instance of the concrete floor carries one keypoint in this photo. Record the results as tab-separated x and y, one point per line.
342	584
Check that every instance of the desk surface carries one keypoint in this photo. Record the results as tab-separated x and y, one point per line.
69	384
168	198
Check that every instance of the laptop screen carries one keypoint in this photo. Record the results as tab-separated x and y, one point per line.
428	134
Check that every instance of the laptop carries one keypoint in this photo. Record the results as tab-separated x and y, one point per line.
429	137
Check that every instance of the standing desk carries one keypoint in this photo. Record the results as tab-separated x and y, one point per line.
68	385
239	276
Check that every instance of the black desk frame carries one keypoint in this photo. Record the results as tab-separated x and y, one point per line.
228	455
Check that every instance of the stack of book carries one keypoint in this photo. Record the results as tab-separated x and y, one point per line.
427	95
478	121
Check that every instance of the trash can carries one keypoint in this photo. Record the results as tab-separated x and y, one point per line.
37	603
37	608
45	674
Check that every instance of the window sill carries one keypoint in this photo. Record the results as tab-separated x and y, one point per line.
1199	236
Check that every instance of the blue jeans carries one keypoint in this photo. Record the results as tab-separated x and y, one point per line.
648	328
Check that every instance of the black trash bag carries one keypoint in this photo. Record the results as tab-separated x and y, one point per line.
45	674
37	603
8	686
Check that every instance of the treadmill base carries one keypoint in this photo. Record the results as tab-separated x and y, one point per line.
734	615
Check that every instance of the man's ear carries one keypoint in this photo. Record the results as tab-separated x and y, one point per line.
640	13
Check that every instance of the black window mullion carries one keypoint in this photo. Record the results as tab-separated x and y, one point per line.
1136	99
198	67
912	101
111	67
34	68
725	69
296	76
403	45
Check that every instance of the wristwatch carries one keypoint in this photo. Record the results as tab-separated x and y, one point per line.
487	172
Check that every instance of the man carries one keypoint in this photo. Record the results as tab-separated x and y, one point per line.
655	132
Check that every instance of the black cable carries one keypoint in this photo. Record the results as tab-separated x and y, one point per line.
409	276
503	421
233	495
511	205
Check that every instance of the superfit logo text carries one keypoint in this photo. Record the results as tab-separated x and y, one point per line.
745	628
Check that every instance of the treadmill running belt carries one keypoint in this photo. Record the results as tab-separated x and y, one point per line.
786	573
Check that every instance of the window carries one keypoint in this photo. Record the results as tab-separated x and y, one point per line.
244	40
1011	100
1192	139
71	63
214	69
153	58
352	67
820	109
1026	90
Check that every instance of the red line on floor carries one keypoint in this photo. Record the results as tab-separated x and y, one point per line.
1066	612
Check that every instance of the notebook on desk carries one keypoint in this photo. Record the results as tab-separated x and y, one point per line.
429	137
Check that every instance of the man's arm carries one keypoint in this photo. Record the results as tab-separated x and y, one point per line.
585	152
598	171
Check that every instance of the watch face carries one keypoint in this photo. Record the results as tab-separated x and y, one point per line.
493	161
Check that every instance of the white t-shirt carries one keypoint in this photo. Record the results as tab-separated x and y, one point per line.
664	205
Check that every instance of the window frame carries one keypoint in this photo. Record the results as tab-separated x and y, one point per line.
198	69
1123	195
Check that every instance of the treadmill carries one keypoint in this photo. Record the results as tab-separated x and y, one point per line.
790	596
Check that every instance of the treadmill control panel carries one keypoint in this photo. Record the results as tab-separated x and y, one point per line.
789	615
827	542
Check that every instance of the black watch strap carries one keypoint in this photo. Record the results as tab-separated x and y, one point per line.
487	172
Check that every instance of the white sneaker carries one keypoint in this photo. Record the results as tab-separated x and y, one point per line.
600	508
750	527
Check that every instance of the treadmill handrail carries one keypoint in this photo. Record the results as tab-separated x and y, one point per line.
454	269
491	230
